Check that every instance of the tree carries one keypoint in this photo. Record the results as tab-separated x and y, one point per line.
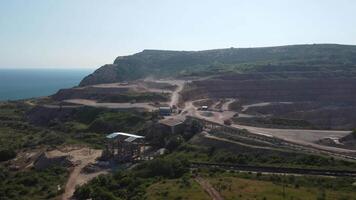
173	142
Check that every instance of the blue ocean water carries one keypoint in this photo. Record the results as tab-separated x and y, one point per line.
26	83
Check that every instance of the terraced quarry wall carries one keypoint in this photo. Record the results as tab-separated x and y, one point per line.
279	89
332	96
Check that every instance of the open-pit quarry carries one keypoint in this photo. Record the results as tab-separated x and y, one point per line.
240	97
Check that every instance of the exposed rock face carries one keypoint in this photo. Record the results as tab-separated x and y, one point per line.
105	74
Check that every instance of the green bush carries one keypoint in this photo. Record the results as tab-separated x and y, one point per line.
163	167
7	154
173	142
112	187
114	121
31	184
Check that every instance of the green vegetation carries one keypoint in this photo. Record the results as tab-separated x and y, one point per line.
27	136
32	184
163	167
258	186
7	154
183	188
132	184
111	187
90	125
222	152
12	111
16	133
166	177
85	126
123	121
169	178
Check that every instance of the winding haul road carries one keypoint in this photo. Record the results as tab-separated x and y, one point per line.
299	136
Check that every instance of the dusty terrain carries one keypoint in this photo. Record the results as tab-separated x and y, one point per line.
76	157
100	95
81	157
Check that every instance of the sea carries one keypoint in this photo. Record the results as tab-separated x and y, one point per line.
18	84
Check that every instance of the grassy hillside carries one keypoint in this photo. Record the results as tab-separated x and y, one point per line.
320	57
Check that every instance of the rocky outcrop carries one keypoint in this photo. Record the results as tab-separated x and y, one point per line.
105	74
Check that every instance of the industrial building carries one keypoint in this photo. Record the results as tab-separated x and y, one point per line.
123	147
173	125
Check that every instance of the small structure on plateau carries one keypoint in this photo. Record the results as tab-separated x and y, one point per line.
165	111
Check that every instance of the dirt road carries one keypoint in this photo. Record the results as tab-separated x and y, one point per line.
82	156
209	136
245	107
93	103
225	106
175	94
304	137
173	101
213	193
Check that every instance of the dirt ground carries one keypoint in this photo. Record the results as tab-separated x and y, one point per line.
93	103
81	157
173	101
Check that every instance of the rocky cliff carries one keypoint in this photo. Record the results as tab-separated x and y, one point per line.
159	63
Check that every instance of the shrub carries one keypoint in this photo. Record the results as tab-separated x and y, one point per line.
7	154
354	133
167	167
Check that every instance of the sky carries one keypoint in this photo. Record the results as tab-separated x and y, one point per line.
90	33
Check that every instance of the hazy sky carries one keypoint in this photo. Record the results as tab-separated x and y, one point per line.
90	33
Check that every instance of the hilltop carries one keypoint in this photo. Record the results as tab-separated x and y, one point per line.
164	63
